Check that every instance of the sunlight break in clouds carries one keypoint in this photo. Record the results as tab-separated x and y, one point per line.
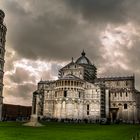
114	40
21	81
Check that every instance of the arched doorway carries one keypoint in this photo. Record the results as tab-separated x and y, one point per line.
113	114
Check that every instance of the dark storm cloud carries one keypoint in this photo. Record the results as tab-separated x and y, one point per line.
55	30
100	10
58	31
48	35
107	11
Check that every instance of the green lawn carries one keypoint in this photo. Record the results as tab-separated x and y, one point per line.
61	131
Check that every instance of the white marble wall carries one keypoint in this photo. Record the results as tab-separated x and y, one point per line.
73	106
118	99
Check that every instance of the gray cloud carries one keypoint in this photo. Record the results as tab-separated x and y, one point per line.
107	11
21	92
21	75
57	30
50	35
100	11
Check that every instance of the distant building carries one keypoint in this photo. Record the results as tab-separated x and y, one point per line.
15	112
3	30
79	94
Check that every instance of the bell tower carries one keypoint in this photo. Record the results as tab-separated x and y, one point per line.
3	30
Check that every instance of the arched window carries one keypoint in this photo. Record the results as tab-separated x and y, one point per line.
65	93
68	83
79	94
71	83
87	109
125	106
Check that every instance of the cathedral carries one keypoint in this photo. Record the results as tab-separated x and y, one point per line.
78	94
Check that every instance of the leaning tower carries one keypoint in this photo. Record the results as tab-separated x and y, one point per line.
3	30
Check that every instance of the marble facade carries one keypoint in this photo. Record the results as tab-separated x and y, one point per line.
80	94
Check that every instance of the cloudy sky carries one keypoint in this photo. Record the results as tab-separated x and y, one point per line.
43	35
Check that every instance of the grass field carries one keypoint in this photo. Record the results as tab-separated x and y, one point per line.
61	131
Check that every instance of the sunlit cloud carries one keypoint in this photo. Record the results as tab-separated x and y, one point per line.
115	40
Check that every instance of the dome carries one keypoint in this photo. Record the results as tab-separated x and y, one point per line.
83	59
